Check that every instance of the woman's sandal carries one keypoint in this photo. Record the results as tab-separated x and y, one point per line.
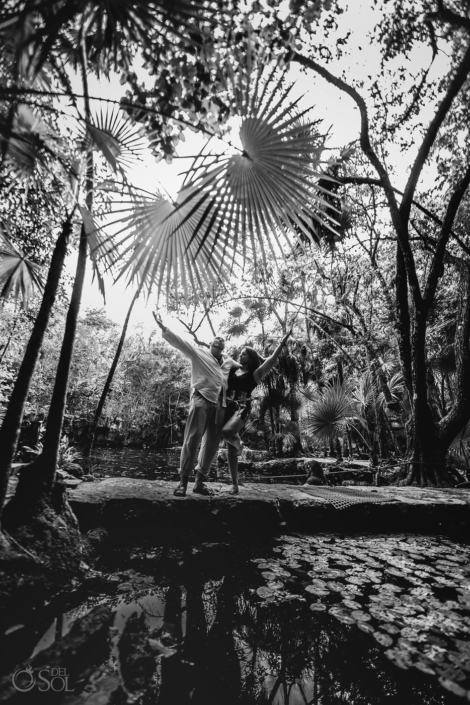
202	489
180	491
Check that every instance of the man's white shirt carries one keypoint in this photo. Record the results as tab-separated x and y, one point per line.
208	376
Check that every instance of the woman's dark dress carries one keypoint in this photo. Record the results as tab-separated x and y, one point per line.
241	386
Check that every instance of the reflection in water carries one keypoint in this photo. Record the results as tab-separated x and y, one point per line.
311	622
282	654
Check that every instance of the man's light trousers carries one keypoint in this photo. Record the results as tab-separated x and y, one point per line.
205	422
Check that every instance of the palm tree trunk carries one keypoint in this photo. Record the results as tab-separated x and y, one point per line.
55	417
47	462
10	430
104	393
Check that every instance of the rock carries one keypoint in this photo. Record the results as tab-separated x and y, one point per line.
135	509
337	477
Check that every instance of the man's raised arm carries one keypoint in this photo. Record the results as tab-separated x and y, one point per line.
174	340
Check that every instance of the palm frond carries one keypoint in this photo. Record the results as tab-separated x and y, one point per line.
100	247
461	441
328	414
365	393
17	273
28	140
264	190
117	138
162	241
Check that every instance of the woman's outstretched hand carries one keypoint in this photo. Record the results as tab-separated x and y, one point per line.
284	340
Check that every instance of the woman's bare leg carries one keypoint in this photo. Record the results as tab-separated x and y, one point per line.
235	441
232	458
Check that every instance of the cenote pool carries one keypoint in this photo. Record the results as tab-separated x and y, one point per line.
322	619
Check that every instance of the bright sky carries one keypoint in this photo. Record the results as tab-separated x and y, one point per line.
338	112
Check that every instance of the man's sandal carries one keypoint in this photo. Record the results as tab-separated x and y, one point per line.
203	490
180	491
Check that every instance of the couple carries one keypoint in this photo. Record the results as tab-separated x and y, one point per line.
213	374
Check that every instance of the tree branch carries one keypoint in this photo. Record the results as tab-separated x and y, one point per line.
438	258
449	17
431	134
368	181
188	328
395	212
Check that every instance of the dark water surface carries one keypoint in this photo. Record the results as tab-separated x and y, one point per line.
364	620
134	462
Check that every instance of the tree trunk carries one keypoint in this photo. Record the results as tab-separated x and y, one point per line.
10	431
104	394
47	462
431	440
427	467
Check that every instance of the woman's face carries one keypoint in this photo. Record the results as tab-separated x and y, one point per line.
244	359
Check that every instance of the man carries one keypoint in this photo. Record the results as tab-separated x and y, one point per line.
209	374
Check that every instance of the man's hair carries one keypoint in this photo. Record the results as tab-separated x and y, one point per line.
219	339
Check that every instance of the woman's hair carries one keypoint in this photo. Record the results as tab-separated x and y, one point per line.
254	358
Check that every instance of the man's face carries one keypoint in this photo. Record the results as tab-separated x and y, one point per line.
217	348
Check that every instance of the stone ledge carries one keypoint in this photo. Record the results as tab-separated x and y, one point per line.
141	508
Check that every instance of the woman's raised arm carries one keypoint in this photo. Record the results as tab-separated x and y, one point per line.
269	363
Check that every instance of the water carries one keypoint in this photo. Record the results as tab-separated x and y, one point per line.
134	462
320	620
163	464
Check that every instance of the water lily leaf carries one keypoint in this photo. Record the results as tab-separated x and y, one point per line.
345	619
351	604
383	639
318	607
399	658
360	616
454	688
265	592
366	627
335	587
317	591
355	580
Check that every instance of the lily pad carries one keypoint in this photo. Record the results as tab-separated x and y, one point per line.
383	639
265	592
317	607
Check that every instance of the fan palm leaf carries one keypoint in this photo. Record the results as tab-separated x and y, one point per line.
17	273
264	190
329	413
461	441
365	392
28	140
159	246
117	138
102	249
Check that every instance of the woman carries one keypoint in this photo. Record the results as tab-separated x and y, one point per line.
241	383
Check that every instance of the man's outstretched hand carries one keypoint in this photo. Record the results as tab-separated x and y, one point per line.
158	320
